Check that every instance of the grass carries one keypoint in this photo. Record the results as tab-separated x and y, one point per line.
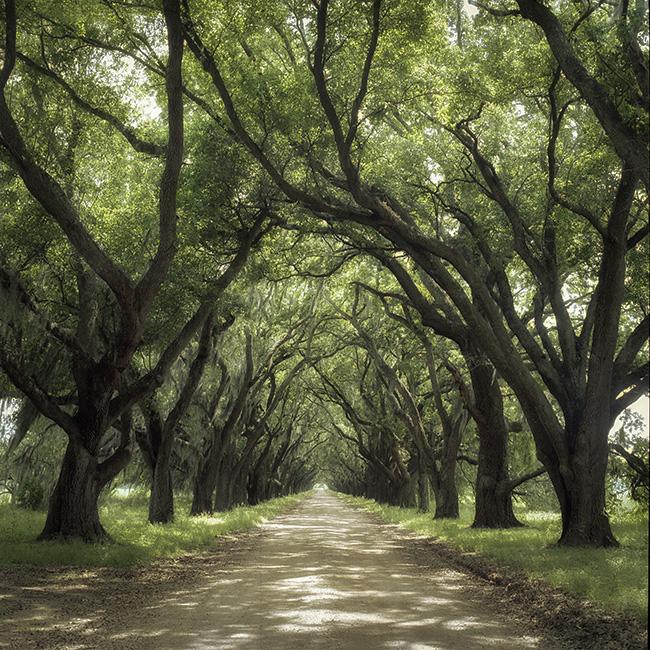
135	541
616	579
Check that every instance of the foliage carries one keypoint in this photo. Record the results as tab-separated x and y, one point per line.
629	462
30	494
412	237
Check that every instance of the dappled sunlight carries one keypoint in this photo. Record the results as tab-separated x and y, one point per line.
326	577
615	576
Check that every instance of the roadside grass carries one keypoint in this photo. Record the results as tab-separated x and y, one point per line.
616	579
135	540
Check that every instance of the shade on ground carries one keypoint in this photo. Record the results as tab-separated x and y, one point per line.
327	576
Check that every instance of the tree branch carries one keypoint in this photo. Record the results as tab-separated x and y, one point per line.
41	400
140	145
151	280
631	145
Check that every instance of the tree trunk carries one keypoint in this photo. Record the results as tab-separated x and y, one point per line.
581	490
238	495
446	492
204	486
73	509
207	477
161	504
201	499
446	496
257	476
161	499
254	488
493	504
585	523
370	490
423	488
156	447
223	499
396	494
405	492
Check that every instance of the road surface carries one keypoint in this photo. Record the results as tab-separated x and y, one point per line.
328	576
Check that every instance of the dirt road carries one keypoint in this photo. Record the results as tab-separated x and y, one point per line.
323	576
327	576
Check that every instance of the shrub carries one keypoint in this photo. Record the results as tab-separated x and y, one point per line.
30	494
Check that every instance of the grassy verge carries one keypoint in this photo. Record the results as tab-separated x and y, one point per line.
616	579
135	540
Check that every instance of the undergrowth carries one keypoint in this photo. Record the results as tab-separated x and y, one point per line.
135	541
614	578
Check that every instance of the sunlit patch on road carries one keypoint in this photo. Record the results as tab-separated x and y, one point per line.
330	577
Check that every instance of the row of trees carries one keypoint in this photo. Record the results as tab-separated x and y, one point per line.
376	408
226	424
493	167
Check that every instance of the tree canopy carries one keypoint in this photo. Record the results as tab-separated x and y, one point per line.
397	247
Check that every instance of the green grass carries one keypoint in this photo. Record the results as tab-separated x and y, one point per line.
135	540
614	578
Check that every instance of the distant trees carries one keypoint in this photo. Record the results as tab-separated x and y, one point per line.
249	420
407	414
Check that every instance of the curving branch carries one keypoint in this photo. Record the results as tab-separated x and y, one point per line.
44	402
167	198
10	283
155	378
631	348
516	482
630	144
635	462
293	193
138	144
45	189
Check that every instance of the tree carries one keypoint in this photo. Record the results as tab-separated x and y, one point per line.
157	444
570	387
237	412
479	180
98	351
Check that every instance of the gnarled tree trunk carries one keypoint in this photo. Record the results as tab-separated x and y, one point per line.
223	493
205	484
155	446
73	509
581	492
423	485
161	500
